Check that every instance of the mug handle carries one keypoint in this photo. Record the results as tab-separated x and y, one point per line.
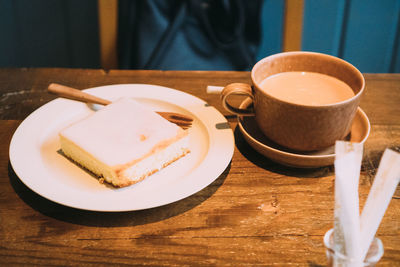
243	89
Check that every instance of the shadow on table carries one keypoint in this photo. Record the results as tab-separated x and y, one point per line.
263	162
111	219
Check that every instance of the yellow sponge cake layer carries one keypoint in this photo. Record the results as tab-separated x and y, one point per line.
124	142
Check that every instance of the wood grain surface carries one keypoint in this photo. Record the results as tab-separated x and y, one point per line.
256	213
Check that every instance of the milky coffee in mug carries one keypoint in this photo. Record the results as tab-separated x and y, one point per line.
306	88
302	100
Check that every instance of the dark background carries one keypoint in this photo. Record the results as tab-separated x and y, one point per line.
64	33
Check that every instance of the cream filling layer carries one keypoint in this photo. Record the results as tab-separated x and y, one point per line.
122	132
131	174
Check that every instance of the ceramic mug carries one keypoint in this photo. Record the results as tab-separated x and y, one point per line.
299	126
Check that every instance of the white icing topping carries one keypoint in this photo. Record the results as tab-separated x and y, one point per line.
121	132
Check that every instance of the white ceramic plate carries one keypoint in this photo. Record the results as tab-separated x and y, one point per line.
35	157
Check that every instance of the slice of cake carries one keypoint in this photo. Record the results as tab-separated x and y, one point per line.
124	142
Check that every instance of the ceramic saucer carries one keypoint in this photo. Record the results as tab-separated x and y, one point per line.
255	138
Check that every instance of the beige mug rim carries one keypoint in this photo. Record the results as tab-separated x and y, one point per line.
337	104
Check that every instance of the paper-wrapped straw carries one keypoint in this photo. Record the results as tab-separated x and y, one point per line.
382	190
211	89
347	215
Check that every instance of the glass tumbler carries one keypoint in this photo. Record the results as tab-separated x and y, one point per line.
335	258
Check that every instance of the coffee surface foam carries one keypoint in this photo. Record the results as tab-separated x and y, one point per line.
306	88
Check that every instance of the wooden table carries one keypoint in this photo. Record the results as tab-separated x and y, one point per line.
256	213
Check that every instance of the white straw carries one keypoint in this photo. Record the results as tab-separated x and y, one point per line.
347	220
211	89
382	190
